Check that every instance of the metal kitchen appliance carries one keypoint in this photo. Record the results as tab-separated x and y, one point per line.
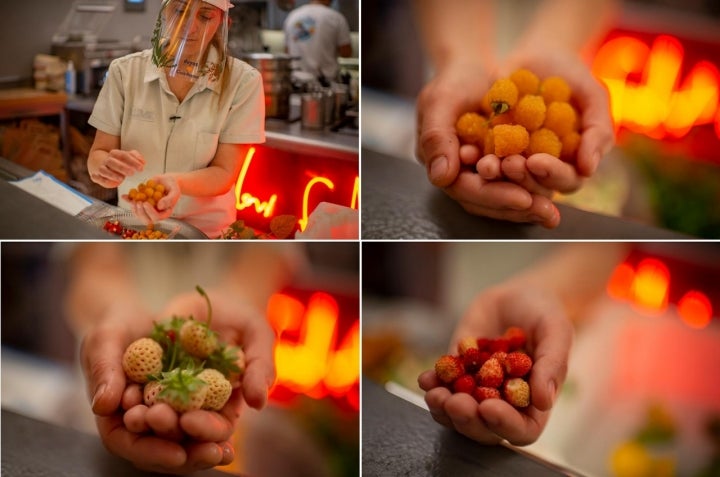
275	70
77	40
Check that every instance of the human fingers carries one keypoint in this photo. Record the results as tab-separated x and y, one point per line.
428	380
139	211
164	422
553	173
153	214
101	354
489	167
598	136
135	419
517	169
132	396
126	162
469	154
259	373
503	200
143	450
553	337
210	425
172	192
435	400
463	411
204	455
519	427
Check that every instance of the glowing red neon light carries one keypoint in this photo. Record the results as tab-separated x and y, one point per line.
661	104
695	309
308	360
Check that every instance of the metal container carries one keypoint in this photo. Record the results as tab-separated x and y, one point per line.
313	110
275	70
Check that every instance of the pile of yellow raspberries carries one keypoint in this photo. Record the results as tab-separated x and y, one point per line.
524	115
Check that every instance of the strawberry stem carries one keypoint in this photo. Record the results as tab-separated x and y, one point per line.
207	300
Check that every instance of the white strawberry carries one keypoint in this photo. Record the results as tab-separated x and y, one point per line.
182	390
151	391
219	389
142	358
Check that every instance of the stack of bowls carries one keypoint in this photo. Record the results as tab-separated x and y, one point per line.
275	70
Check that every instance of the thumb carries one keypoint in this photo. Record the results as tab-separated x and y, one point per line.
553	341
101	358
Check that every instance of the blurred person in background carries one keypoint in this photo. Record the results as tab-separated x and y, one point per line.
461	42
318	35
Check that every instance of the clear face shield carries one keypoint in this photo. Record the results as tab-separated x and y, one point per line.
190	38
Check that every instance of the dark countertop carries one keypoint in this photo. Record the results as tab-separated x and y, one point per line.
32	447
23	216
399	202
400	438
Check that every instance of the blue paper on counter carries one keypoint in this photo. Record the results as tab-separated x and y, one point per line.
46	187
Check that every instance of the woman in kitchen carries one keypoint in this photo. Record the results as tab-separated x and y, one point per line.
184	114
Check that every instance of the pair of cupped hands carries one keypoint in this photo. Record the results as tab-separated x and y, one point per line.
515	188
157	438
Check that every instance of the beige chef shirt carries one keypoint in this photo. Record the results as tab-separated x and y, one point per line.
137	105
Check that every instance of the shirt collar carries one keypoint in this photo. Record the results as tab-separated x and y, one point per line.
153	73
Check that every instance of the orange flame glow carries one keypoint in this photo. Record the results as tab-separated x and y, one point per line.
661	104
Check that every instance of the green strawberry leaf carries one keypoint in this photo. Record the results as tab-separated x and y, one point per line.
224	359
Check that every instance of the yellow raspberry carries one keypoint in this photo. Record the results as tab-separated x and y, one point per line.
544	140
530	112
570	144
471	128
489	146
561	118
555	88
526	81
510	139
485	105
504	118
503	94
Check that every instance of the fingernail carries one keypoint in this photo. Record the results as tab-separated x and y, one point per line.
552	389
228	453
438	168
98	394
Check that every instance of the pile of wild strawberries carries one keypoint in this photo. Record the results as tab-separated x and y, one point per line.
184	365
489	368
150	232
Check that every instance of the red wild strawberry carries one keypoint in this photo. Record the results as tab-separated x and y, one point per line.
500	356
464	384
482	393
491	374
516	337
517	392
517	364
182	390
472	360
482	343
448	368
498	344
219	389
466	344
142	358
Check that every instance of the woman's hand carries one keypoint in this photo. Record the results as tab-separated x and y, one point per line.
549	333
109	169
456	90
151	214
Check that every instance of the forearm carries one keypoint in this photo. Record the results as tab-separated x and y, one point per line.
207	182
100	285
458	32
567	25
576	273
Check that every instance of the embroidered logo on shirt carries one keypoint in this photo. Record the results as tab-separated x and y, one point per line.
142	114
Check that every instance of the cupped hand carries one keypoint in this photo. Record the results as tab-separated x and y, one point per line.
151	214
115	167
549	334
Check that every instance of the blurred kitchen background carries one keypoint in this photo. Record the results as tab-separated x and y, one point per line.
311	426
642	396
665	169
44	127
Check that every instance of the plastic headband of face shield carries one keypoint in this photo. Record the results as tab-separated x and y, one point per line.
190	38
